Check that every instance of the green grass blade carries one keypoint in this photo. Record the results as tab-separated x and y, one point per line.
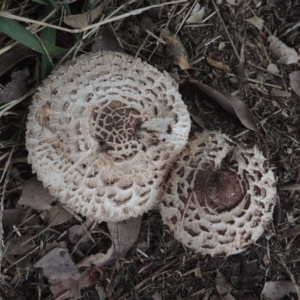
28	39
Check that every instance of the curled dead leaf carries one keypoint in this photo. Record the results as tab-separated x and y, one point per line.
83	20
275	290
217	64
286	54
231	103
79	232
197	17
234	106
99	259
256	21
295	82
124	233
176	51
273	69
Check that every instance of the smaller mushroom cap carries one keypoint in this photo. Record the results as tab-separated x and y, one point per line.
102	131
219	196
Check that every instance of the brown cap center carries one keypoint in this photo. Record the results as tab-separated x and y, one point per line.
219	190
116	123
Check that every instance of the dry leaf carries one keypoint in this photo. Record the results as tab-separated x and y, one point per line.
106	41
232	104
295	82
156	296
17	216
197	17
273	69
234	2
15	248
124	233
78	232
61	272
15	88
286	54
280	93
57	215
9	58
276	290
99	259
223	287
256	21
176	51
217	64
35	195
83	20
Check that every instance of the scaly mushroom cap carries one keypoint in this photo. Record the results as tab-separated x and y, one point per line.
219	196
101	132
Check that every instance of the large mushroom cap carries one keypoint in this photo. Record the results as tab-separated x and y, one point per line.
219	196
101	132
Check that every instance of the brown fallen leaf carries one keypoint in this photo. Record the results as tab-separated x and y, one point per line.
15	88
197	17
223	287
77	232
106	41
99	259
156	296
175	50
83	20
35	195
61	272
217	64
276	290
9	58
124	233
286	54
273	69
295	82
232	104
15	248
57	215
17	216
256	21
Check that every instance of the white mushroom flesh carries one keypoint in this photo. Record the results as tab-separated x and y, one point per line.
101	132
219	196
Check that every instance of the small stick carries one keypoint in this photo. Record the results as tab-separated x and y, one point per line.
230	40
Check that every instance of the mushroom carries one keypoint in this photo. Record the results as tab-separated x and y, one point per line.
101	132
219	196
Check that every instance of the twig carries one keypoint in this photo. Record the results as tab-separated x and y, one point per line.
8	15
229	37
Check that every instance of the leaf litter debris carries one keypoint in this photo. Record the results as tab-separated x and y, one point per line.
111	254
